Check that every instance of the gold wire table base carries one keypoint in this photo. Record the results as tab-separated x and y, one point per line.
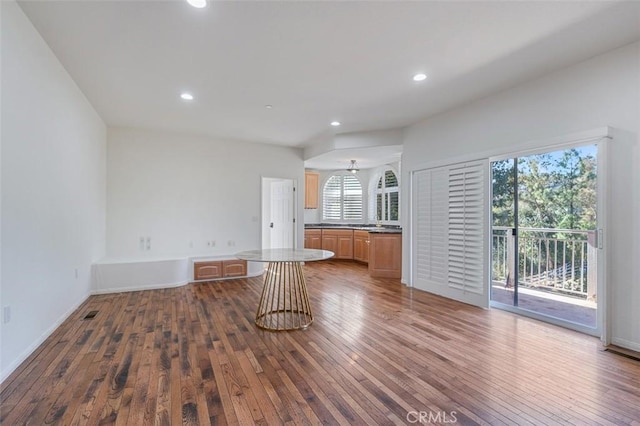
284	303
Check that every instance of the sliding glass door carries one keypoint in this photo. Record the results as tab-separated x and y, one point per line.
544	245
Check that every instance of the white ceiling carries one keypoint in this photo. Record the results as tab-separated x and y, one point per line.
367	158
315	62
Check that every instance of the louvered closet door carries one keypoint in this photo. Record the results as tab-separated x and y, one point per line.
450	228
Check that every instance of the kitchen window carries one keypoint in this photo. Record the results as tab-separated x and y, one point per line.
342	198
385	197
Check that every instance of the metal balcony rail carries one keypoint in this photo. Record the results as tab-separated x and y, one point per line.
557	260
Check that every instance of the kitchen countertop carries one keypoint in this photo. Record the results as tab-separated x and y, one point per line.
384	229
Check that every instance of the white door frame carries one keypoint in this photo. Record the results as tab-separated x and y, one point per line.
603	322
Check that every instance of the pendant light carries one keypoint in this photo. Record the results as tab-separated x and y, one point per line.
353	167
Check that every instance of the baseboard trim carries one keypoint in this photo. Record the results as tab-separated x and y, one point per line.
6	373
627	353
626	344
138	288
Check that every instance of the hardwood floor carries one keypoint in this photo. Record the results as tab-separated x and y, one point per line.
377	353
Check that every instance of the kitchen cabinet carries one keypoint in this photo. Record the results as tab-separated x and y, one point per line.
361	246
381	250
339	241
311	181
313	239
385	255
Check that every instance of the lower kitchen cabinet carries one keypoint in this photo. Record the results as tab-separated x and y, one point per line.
381	250
385	255
361	246
313	239
339	241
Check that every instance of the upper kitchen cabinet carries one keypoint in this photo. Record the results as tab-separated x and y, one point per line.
311	190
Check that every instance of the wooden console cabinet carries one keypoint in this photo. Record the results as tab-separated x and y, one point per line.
234	268
216	269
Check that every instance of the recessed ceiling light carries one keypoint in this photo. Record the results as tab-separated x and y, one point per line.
186	96
419	77
335	123
268	106
197	3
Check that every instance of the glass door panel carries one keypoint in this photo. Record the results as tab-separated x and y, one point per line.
503	280
544	224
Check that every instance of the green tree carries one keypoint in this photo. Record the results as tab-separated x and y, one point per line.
502	188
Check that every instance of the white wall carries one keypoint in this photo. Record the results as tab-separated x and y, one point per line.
53	190
182	191
604	91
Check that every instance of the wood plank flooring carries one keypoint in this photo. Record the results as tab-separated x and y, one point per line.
377	353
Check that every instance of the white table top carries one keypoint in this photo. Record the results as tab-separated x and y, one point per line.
284	255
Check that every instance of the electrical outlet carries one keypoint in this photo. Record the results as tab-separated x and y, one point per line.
148	243
141	243
6	314
213	243
231	243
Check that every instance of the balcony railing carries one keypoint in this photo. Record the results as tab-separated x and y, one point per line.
557	260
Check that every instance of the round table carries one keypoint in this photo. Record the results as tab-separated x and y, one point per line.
284	303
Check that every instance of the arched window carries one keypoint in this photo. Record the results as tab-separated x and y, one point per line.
342	198
385	198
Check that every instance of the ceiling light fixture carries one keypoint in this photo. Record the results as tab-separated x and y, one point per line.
419	77
335	123
186	96
353	167
268	106
197	3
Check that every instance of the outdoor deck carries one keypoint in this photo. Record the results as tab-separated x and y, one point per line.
568	308
556	272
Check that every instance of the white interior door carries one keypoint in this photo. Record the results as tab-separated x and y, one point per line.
278	213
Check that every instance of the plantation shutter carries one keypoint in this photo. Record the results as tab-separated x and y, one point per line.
332	199
431	224
466	227
342	198
449	247
352	203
